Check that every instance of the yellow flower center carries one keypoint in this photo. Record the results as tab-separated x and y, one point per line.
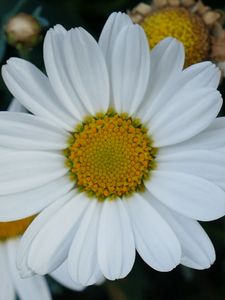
180	23
14	228
110	155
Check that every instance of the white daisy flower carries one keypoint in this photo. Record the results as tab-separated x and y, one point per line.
120	154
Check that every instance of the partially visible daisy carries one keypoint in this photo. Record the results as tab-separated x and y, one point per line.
197	26
119	155
11	284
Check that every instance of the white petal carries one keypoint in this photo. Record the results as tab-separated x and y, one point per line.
167	60
200	163
87	71
16	106
5	150
116	249
220	150
197	249
34	288
186	114
31	87
21	171
155	241
28	132
7	290
60	29
113	26
200	75
39	222
55	64
82	259
62	276
211	138
56	237
130	69
189	195
21	205
203	74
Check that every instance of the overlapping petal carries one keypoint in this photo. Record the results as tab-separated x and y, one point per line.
83	265
33	90
25	170
27	132
49	257
32	231
7	290
35	287
62	275
211	138
197	249
20	205
185	115
116	248
130	69
167	60
155	241
111	30
187	194
202	163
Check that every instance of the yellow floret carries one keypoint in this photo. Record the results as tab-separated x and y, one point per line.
183	25
110	156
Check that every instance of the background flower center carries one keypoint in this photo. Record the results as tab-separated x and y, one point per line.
180	23
110	155
14	228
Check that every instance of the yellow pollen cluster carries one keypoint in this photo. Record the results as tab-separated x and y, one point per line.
14	228
180	23
110	156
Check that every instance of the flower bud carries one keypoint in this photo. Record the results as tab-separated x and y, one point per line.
23	30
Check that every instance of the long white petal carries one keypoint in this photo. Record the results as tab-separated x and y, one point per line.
87	70
111	30
202	163
130	69
155	241
32	88
189	195
21	205
32	231
55	64
61	274
15	106
56	237
186	114
25	170
197	249
34	288
198	76
7	289
211	138
167	60
116	249
203	74
28	132
82	262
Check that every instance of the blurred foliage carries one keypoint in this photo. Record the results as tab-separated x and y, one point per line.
142	283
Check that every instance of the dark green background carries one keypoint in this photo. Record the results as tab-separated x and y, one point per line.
142	283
